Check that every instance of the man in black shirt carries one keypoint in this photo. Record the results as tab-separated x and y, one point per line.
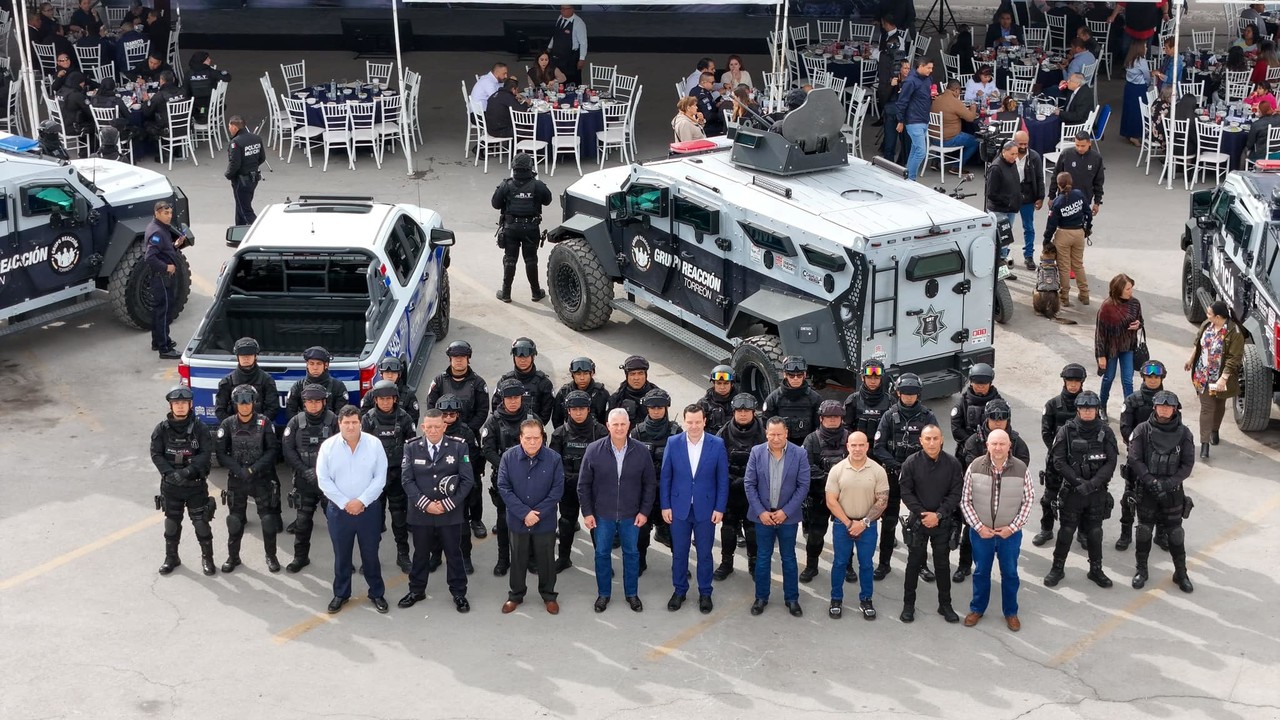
931	482
497	115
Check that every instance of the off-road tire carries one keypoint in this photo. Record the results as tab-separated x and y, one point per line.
130	287
1193	279
581	292
1252	407
757	365
439	323
1002	312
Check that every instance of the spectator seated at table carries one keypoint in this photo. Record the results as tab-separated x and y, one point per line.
743	99
42	27
1080	101
962	48
736	74
954	113
1086	36
486	85
1267	58
155	106
76	117
981	86
1008	110
688	122
544	74
137	12
125	34
149	70
202	78
710	104
1256	142
1079	58
497	114
1255	12
1187	108
86	19
1003	32
1261	92
1248	40
64	64
107	97
705	65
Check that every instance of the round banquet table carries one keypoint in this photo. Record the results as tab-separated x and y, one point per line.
590	122
1043	134
345	94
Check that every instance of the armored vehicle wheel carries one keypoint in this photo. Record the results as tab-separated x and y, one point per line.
1252	407
1003	310
439	324
581	292
130	288
1193	279
757	363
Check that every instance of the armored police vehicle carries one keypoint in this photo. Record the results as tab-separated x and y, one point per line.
783	244
1230	248
363	279
73	230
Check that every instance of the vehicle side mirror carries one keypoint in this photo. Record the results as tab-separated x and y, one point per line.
80	207
235	235
618	206
1204	222
441	237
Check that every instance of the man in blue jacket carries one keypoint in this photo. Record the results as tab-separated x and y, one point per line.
530	482
777	482
914	101
616	487
694	490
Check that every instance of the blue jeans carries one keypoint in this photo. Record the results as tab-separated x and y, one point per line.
344	530
919	134
985	552
630	534
704	534
965	140
1028	213
785	536
1125	362
842	546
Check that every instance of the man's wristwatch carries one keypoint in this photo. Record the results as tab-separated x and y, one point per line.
866	524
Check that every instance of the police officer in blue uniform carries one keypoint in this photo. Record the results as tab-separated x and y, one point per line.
162	255
393	427
247	447
469	389
521	198
182	451
300	445
244	157
451	409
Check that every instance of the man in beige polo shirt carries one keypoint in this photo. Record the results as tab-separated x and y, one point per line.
857	494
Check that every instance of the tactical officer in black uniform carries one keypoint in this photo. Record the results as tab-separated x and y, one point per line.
537	386
300	445
826	447
865	406
182	451
244	158
652	432
162	256
392	369
317	374
571	439
1085	455
451	409
1137	410
471	392
896	438
500	433
966	416
582	370
633	389
247	372
717	404
393	427
1161	455
795	400
247	447
743	432
1060	409
521	198
202	77
996	415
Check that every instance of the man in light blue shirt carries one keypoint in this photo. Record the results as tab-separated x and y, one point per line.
352	472
486	85
1080	59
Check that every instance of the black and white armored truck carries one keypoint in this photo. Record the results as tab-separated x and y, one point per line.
780	243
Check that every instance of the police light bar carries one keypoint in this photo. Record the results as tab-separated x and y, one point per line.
1267	165
17	143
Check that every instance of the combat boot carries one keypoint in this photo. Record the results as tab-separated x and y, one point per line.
206	558
1140	577
563	561
1098	577
233	556
1180	569
273	564
1182	581
171	560
810	569
1126	536
299	561
723	570
1042	537
1056	573
403	561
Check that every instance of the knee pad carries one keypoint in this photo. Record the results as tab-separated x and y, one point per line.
271	523
509	261
235	525
1144	533
1095	534
1176	535
203	531
172	528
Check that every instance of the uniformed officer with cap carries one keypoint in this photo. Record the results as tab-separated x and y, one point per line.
897	438
317	374
300	444
537	386
393	427
450	408
795	400
247	372
1162	453
743	432
182	451
717	403
653	432
244	157
633	388
392	368
570	439
966	415
500	433
1060	409
247	447
163	256
582	373
465	384
1084	453
520	198
826	447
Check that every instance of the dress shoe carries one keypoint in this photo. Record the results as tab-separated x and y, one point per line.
927	575
503	295
1213	438
634	602
170	355
553	607
461	604
273	565
336	604
539	295
882	571
836	609
972	619
722	571
411	599
1183	582
562	564
1042	537
467	567
478	531
170	563
960	574
602	603
850	575
948	614
1013	623
675	602
794	609
380	604
501	568
403	562
809	573
868	610
510	606
908	614
297	563
704	604
757	607
231	564
1204	450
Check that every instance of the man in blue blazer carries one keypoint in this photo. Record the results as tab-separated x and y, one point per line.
693	491
777	482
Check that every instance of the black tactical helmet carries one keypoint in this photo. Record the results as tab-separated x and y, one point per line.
458	348
311	391
909	384
656	397
316	353
510	388
246	346
1165	397
744	401
524	347
523	161
1152	368
634	362
577	399
449	403
872	368
794	98
829	408
722	373
582	364
982	373
180	392
1074	371
244	394
384	388
390	364
1088	399
997	410
794	364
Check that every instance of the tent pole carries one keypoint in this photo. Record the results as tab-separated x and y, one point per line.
783	33
1176	7
404	96
28	72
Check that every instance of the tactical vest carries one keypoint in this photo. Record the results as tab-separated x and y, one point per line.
904	433
796	407
718	410
1064	409
576	439
307	436
508	431
464	390
971	407
258	379
1087	454
388	429
1164	449
830	453
738	442
181	445
655	442
866	412
522	199
248	443
1140	406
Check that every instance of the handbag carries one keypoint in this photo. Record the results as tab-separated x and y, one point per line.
1140	352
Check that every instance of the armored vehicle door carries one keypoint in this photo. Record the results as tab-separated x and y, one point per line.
47	243
1231	253
701	265
645	223
931	295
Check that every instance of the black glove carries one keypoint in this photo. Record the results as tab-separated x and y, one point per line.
171	477
311	477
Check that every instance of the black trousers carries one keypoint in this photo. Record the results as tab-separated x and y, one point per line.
397	505
889	520
266	496
1086	513
520	240
736	511
433	537
940	538
242	188
1052	487
544	548
504	537
195	501
570	509
161	304
816	518
309	499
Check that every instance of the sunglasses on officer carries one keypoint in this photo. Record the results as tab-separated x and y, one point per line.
872	371
998	415
722	377
580	366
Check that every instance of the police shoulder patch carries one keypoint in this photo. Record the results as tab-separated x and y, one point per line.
287	431
466	458
222	431
155	239
955	411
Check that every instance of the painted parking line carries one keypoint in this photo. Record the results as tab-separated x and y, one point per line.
319	619
203	284
80	552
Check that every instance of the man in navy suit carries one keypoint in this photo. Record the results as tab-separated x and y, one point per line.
693	490
777	482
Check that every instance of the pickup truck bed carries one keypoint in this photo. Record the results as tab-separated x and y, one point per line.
290	325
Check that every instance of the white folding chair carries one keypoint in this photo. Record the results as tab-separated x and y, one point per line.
1021	13
391	128
206	131
1146	145
856	116
279	122
813	65
378	73
1090	72
564	137
624	86
920	46
837	84
172	56
337	132
1273	146
409	95
12	120
1006	128
102	72
1023	72
1101	32
800	35
89	58
75	145
937	150
1273	74
115	16
830	31
681	90
1176	134
47	58
524	127
1209	151
794	68
177	133
1202	40
1035	37
473	128
1057	31
614	134
363	130
217	115
296	130
861	32
1194	89
951	67
487	144
631	122
1020	88
601	77
1236	86
295	76
103	118
819	78
135	51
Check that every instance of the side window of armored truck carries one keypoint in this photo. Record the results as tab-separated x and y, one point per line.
45	199
696	215
647	200
1238	230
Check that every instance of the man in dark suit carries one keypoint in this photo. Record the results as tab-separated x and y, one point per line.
1003	31
694	490
1080	102
777	482
530	482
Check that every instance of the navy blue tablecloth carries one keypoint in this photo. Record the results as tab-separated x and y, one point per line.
315	116
1043	134
590	122
1233	146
